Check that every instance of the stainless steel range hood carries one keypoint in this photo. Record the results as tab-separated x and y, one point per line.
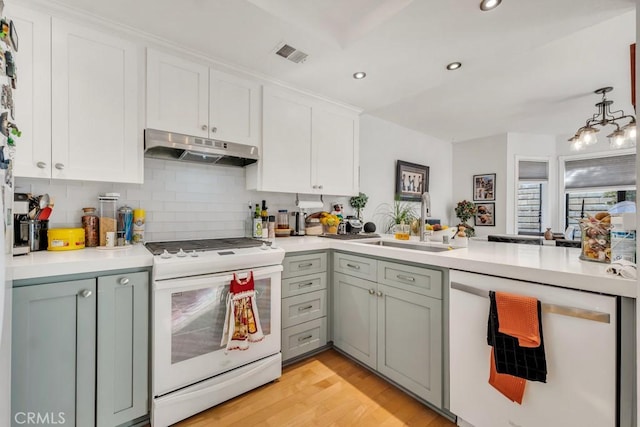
175	146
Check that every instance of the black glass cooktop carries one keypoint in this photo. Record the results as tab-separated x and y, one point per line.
157	248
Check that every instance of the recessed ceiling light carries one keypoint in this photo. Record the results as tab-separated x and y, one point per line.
454	66
359	75
486	5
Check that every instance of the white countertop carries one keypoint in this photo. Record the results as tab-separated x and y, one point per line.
542	264
55	263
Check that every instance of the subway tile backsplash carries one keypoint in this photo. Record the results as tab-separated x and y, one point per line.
181	200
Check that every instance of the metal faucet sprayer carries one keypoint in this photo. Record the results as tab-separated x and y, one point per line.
425	212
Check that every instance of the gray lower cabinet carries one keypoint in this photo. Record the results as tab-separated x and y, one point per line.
391	322
304	304
123	349
57	373
54	353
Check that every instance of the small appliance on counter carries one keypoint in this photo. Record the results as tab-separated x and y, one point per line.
20	213
299	223
353	225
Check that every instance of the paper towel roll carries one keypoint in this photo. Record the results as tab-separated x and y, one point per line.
309	205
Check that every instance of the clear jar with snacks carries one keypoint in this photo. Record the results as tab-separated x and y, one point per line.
108	217
125	225
90	224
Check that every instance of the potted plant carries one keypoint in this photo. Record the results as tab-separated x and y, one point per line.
464	211
398	213
358	203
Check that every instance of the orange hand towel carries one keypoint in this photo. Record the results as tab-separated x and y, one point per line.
510	386
518	317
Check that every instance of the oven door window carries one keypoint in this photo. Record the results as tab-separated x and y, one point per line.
198	316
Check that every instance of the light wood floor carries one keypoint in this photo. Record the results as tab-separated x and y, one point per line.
325	390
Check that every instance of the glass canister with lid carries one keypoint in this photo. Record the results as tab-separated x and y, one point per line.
90	222
108	216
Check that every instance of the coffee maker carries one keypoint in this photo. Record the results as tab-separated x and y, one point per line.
299	223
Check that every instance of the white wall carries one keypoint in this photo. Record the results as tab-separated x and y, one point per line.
182	200
477	157
382	143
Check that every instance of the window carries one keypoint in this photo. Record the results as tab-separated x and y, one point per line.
532	183
596	184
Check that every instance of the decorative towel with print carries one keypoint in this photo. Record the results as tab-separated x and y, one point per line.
242	322
511	387
518	317
509	357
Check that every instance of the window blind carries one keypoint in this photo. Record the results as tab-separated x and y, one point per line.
602	172
533	170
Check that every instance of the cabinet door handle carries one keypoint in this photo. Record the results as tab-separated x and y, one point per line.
371	292
314	186
124	281
214	129
306	307
357	267
307	265
407	278
59	166
304	285
308	337
379	293
204	127
320	187
85	293
41	165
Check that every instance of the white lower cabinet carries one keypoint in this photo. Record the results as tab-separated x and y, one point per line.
304	304
394	327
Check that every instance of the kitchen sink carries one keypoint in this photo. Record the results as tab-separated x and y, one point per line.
412	246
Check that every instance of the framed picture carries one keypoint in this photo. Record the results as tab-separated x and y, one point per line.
485	214
411	181
484	187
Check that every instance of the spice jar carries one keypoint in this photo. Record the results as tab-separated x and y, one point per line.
90	224
108	218
272	227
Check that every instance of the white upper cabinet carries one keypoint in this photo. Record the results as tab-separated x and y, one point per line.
32	98
177	95
192	99
95	106
309	146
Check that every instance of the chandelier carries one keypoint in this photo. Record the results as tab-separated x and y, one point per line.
624	136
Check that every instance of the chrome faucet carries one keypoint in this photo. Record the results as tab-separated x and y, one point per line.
425	212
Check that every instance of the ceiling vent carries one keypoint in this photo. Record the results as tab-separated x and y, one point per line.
292	54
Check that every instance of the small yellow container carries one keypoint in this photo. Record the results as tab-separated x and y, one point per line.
65	239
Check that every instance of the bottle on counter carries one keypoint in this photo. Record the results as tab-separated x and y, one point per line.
138	225
257	223
264	215
90	222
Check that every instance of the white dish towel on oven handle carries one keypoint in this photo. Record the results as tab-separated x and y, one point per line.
242	321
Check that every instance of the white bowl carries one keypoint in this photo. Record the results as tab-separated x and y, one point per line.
436	236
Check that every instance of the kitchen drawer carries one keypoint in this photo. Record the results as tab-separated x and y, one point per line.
353	265
303	338
303	284
414	279
300	265
302	308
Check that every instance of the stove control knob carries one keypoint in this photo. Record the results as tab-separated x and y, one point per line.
181	253
165	255
194	253
264	247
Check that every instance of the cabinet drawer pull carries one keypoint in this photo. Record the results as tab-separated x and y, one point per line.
307	265
41	165
307	337
204	127
60	166
306	307
371	292
304	285
85	293
124	281
357	267
214	129
407	278
379	293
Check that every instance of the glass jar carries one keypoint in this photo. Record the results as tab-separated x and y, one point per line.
90	224
108	217
401	231
283	219
125	225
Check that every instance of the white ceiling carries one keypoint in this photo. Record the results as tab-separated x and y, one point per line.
528	66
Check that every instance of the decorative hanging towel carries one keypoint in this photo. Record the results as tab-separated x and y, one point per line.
242	322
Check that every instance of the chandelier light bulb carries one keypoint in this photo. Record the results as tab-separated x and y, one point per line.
617	139
630	130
